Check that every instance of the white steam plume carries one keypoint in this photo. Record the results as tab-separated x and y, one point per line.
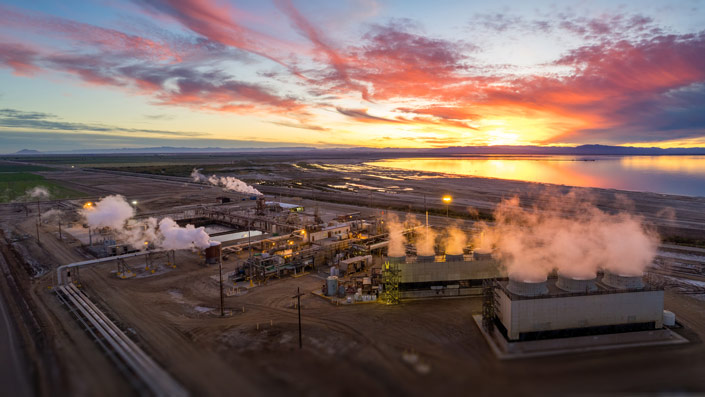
397	241
226	182
568	233
111	211
177	237
456	241
114	212
425	242
38	192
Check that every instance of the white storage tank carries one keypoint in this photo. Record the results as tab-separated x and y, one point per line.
669	318
331	285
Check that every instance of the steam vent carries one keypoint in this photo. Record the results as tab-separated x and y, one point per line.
527	288
571	284
622	282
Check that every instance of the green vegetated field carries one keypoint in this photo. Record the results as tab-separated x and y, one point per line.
9	167
14	186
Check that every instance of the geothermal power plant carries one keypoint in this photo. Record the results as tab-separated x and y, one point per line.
146	283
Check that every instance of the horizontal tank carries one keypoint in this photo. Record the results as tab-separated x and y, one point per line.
619	281
527	288
574	284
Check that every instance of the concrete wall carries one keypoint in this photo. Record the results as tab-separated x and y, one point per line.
420	272
545	314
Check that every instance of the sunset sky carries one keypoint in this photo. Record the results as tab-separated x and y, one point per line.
206	73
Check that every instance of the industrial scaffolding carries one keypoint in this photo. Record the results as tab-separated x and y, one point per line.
391	276
489	304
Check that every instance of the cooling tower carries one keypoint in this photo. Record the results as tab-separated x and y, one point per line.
396	259
426	258
572	284
622	282
454	258
527	288
482	255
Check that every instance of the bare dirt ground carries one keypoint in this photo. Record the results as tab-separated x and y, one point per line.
351	350
359	349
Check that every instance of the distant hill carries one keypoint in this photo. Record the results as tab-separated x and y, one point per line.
569	150
583	150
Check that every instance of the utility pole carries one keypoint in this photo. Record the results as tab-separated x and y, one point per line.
39	219
298	305
220	270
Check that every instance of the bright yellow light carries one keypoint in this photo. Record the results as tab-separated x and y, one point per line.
447	199
88	205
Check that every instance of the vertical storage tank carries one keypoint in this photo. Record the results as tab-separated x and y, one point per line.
331	285
213	253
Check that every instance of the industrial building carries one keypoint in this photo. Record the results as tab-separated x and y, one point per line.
456	275
566	307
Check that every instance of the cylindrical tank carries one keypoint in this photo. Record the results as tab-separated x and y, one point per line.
454	257
213	253
573	284
331	285
396	259
341	291
426	258
669	318
482	255
334	271
619	281
527	288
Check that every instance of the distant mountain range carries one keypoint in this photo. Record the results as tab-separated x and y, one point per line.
449	151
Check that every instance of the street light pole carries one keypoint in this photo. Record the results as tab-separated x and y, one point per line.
447	199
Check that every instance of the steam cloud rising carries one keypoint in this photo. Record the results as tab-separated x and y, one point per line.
397	241
568	233
426	242
38	192
114	212
111	211
226	182
456	241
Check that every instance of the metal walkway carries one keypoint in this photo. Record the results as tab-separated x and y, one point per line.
144	373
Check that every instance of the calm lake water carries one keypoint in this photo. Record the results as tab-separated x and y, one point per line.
682	175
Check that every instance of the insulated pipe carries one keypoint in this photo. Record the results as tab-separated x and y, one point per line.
60	269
